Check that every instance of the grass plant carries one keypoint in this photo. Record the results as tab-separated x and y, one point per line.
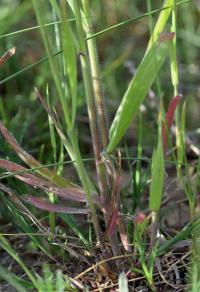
92	212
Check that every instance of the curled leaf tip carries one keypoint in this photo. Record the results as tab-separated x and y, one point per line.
166	125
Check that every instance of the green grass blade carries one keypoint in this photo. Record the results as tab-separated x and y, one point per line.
55	7
12	279
40	8
183	234
174	66
51	130
157	176
23	70
32	28
70	221
161	22
7	247
52	215
70	59
195	265
181	149
18	219
137	90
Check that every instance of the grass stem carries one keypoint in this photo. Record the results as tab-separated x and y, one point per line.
96	78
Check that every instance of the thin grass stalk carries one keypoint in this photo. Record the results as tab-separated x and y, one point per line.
60	65
98	95
101	119
70	119
188	191
52	65
138	170
96	77
86	186
87	83
195	214
153	38
89	98
174	66
7	247
175	81
52	216
154	229
70	60
63	138
55	8
92	118
156	187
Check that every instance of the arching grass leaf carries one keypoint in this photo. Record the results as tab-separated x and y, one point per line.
138	88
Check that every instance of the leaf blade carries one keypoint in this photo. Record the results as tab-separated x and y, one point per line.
157	176
45	205
138	88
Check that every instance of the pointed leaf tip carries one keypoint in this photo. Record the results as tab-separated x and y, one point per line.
169	119
138	88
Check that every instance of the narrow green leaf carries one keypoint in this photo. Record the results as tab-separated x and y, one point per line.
40	9
4	243
174	65
11	279
13	33
69	58
161	22
21	71
181	149
157	176
19	220
55	7
183	234
51	129
138	88
70	221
